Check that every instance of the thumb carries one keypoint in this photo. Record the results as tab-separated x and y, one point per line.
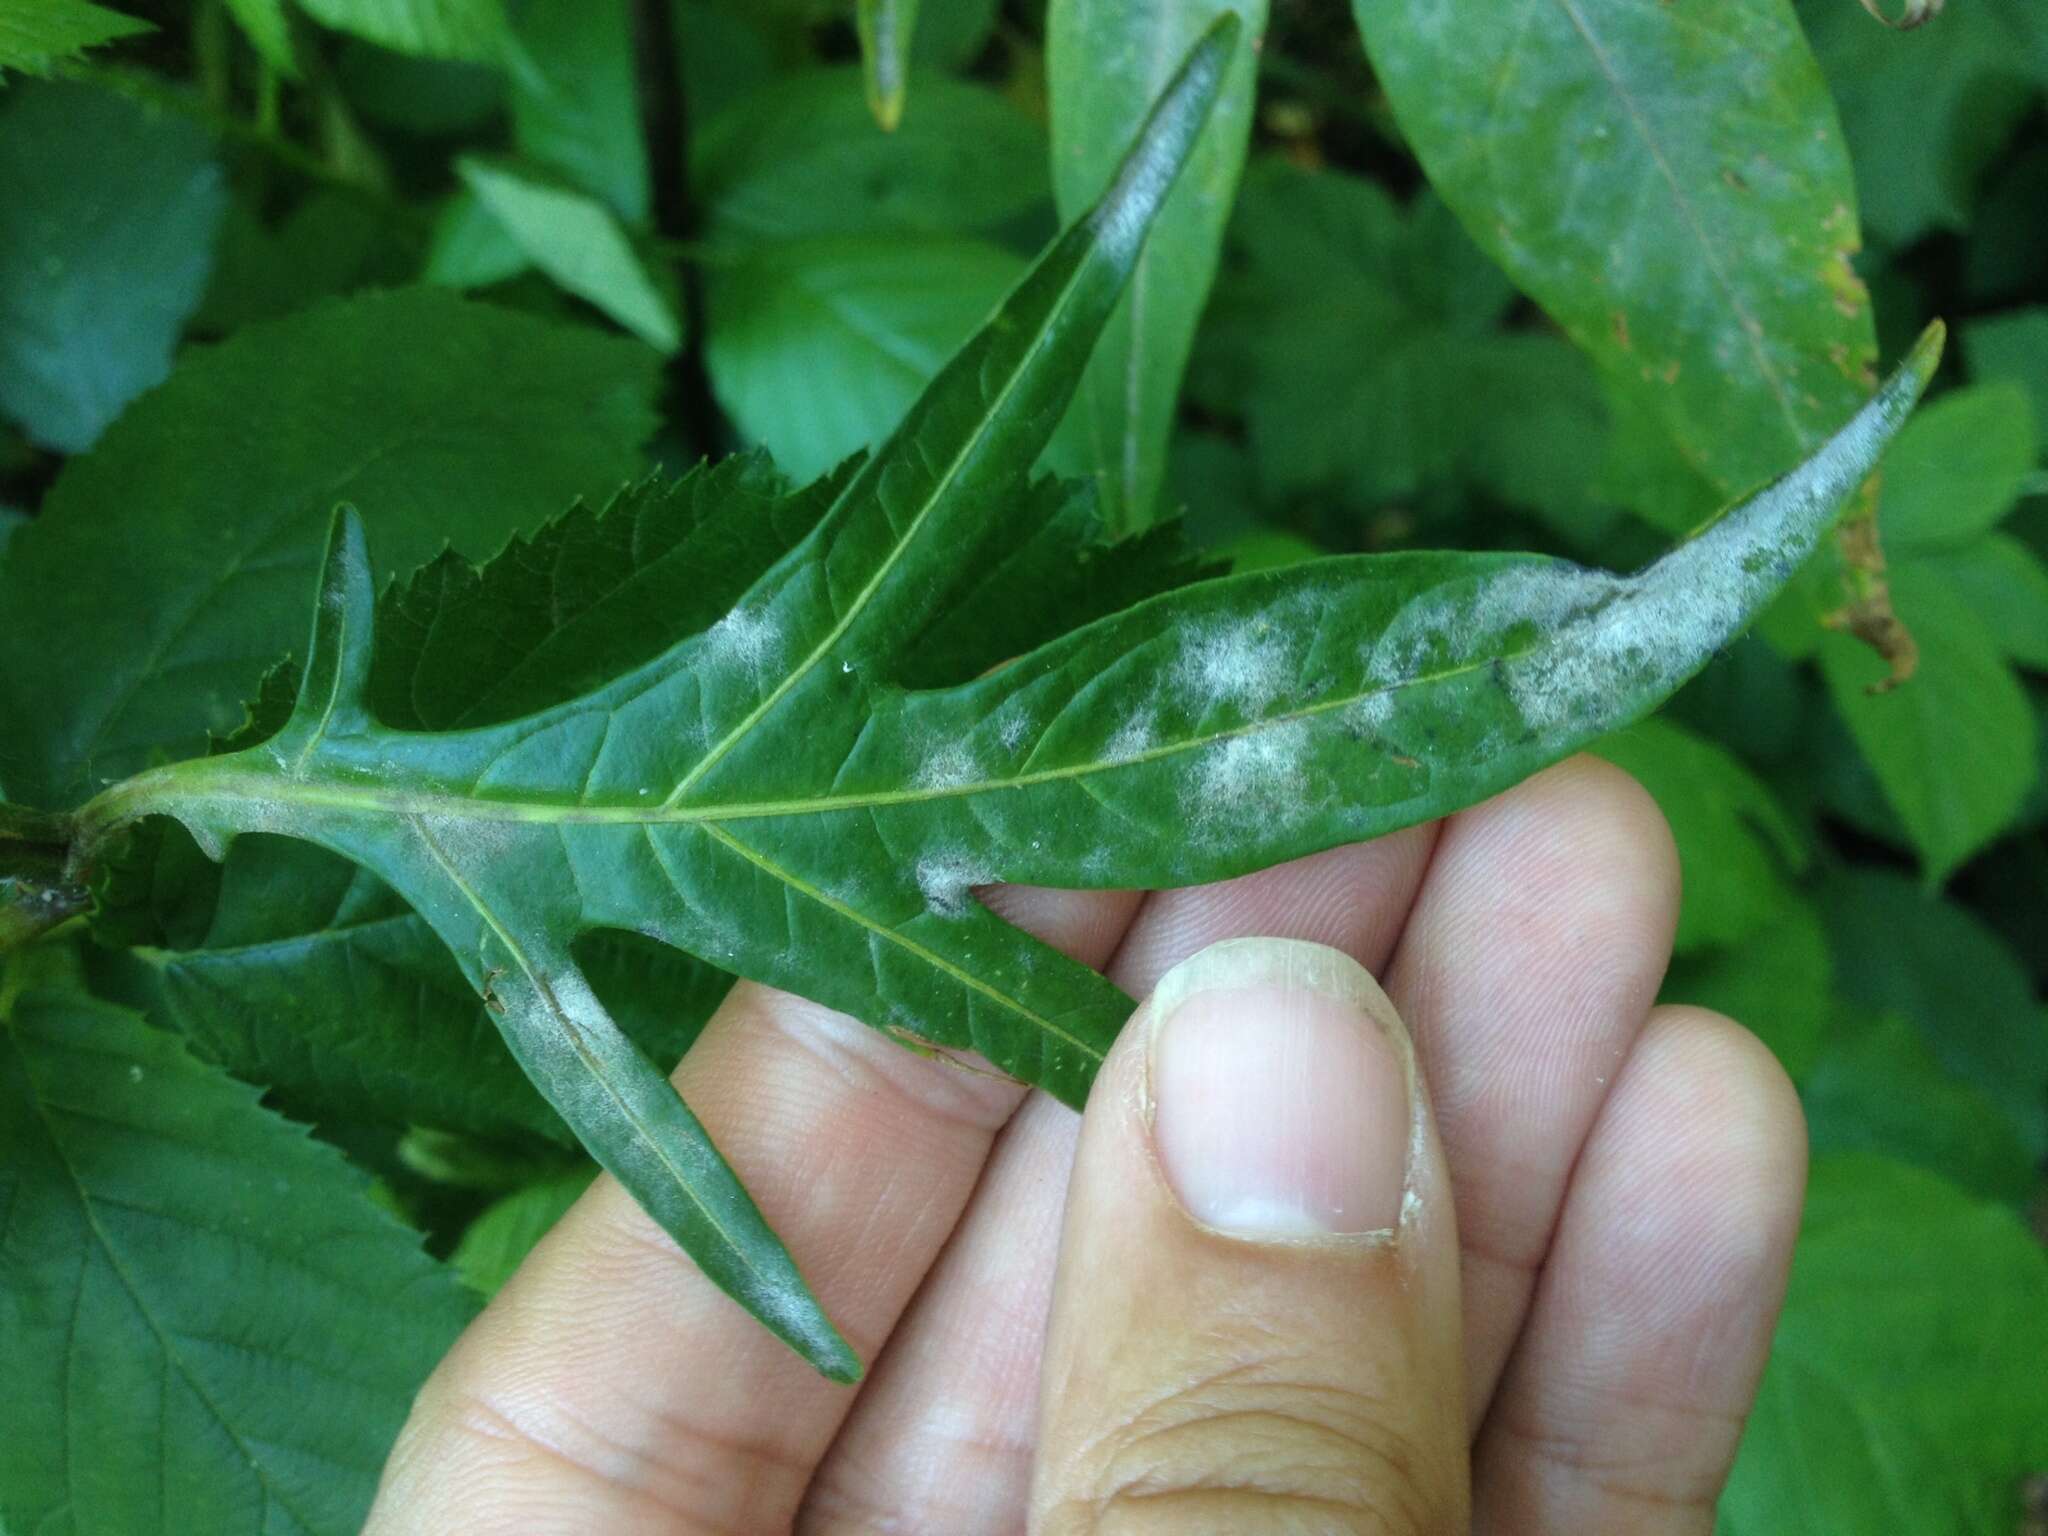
1255	1322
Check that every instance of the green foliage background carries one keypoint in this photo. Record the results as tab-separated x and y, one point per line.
461	264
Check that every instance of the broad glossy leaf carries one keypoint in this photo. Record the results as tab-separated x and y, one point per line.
1969	76
470	247
218	1329
1955	747
2013	345
1957	468
1778	982
1904	1391
1735	841
498	1241
1104	58
1999	575
441	419
1878	1087
801	157
577	109
112	212
327	245
577	241
1361	343
438	29
817	347
764	796
1899	950
35	34
887	29
1699	254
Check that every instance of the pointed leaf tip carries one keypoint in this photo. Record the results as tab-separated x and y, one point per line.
1166	138
1926	354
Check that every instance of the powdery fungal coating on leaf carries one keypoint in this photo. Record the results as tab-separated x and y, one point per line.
948	766
1013	729
1247	664
1605	637
1134	738
1257	773
751	639
1370	712
947	881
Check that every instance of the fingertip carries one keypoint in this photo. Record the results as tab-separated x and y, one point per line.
1619	816
1732	1121
1584	835
1256	1308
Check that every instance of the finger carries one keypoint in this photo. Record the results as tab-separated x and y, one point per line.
942	1438
1255	1319
1525	974
1626	1396
610	1386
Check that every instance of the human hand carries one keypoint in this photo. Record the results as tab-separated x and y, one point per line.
1593	1208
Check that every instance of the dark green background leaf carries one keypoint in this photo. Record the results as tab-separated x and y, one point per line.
104	252
218	1329
1903	1392
200	516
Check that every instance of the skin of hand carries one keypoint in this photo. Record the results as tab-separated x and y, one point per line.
1492	1243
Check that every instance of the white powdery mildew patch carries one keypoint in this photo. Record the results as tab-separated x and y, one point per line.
1370	713
947	880
472	843
947	766
1138	735
750	639
1258	775
1249	663
1013	728
1608	639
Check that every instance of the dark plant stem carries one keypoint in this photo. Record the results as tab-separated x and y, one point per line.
665	126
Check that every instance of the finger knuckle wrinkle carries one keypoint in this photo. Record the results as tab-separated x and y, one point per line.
1647	1474
1253	1458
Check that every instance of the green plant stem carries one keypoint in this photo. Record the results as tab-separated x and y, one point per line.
150	91
664	124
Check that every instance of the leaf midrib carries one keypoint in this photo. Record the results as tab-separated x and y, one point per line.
930	957
573	1033
557	813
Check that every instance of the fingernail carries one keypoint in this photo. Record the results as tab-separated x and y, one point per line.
1279	1080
